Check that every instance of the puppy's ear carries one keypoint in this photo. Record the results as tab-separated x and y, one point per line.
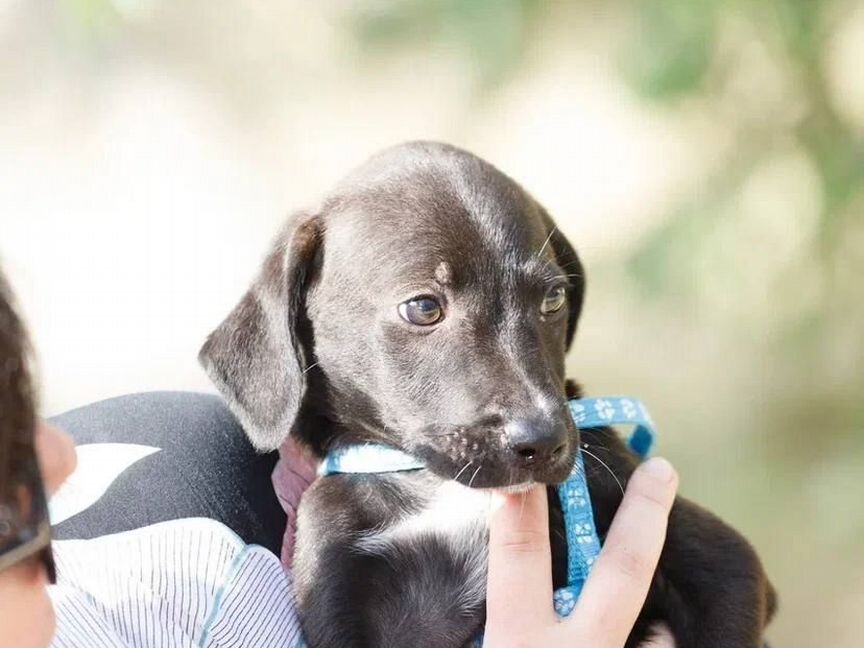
256	357
569	261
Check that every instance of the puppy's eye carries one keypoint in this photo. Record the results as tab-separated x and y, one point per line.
421	311
554	300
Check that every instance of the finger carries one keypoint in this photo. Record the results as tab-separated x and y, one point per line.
55	451
616	589
520	562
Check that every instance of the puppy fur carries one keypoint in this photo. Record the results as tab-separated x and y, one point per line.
317	348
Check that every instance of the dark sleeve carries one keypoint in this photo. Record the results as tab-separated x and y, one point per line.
200	465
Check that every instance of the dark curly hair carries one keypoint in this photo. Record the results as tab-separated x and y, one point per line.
17	397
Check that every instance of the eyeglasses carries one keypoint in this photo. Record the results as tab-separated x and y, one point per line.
25	530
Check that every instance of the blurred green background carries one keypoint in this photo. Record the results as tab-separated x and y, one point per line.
706	157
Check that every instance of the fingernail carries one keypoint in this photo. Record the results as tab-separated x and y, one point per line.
659	468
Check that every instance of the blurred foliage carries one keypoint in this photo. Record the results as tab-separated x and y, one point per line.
796	30
92	17
491	34
796	35
669	51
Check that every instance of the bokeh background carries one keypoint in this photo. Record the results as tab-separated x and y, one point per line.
706	157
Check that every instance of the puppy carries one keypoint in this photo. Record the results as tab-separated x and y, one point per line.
428	305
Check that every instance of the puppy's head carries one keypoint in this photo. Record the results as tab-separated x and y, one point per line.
427	305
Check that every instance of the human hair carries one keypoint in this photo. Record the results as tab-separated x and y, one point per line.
17	397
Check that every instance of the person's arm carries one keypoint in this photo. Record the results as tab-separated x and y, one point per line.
519	609
188	448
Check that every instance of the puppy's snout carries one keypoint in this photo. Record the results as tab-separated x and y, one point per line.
536	441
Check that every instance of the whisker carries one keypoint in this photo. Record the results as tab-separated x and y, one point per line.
564	266
546	242
599	448
522	506
559	277
471	481
461	470
592	469
564	276
608	469
314	364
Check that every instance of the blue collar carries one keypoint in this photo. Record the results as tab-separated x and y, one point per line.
583	544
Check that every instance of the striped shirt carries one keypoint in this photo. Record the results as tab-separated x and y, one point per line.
189	583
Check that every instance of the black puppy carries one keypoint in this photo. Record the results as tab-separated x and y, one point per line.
428	305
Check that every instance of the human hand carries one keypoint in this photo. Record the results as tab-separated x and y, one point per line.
519	592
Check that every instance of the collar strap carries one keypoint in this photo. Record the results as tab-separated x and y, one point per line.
367	458
617	410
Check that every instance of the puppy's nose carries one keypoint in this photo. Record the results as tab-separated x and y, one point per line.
536	441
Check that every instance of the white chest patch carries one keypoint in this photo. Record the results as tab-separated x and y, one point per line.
456	515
